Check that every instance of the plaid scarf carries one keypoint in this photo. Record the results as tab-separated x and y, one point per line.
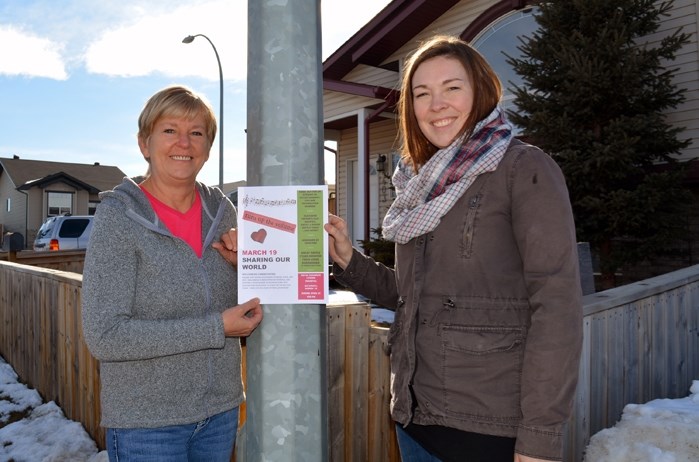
424	198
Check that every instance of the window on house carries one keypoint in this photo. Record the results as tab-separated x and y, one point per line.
9	204
92	207
503	37
60	203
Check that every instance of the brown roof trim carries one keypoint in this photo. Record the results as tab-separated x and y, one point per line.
357	89
389	30
493	13
58	177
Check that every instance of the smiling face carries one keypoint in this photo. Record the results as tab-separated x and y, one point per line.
442	99
176	148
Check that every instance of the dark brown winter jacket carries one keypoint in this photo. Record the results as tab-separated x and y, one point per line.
488	311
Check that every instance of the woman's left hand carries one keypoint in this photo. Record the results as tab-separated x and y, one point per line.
339	244
521	458
241	320
228	246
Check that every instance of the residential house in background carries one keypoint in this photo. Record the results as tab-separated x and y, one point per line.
32	190
361	81
231	190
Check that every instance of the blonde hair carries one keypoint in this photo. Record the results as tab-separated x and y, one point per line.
416	149
176	101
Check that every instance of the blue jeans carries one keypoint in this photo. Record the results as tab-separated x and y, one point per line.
210	440
411	450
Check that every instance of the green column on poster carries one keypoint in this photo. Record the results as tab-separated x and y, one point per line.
311	255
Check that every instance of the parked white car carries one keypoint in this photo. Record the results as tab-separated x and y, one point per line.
65	232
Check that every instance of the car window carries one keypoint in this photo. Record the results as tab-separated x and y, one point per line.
73	228
45	229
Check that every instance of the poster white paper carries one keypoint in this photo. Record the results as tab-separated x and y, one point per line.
282	246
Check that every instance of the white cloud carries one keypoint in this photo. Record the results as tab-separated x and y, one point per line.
152	43
30	55
140	38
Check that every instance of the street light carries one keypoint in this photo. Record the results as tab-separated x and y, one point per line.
190	39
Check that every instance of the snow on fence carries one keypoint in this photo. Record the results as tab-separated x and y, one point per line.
641	342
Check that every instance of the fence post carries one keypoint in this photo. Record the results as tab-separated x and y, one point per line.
587	277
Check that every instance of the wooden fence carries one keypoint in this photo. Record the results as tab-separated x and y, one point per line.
360	427
41	337
641	342
63	260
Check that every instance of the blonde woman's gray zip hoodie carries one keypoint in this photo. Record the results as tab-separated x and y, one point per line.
151	313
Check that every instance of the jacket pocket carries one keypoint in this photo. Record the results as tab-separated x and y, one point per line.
480	340
481	368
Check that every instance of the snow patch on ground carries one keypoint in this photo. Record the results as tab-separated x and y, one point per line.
662	430
43	434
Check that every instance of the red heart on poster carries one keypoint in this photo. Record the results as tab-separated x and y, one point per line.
259	236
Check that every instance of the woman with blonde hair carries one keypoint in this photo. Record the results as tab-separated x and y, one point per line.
160	309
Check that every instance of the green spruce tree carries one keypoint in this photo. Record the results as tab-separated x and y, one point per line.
597	80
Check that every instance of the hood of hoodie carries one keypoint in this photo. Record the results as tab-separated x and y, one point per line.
139	208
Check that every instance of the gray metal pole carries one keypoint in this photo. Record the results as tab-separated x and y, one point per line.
286	380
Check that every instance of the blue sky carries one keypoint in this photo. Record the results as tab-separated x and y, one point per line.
74	74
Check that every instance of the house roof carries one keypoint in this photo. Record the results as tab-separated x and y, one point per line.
389	30
25	173
393	27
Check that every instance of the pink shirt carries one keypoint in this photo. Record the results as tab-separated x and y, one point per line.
186	226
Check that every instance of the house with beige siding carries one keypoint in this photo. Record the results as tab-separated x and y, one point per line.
361	81
32	190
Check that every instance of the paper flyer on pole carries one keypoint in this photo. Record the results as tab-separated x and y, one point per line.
282	246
